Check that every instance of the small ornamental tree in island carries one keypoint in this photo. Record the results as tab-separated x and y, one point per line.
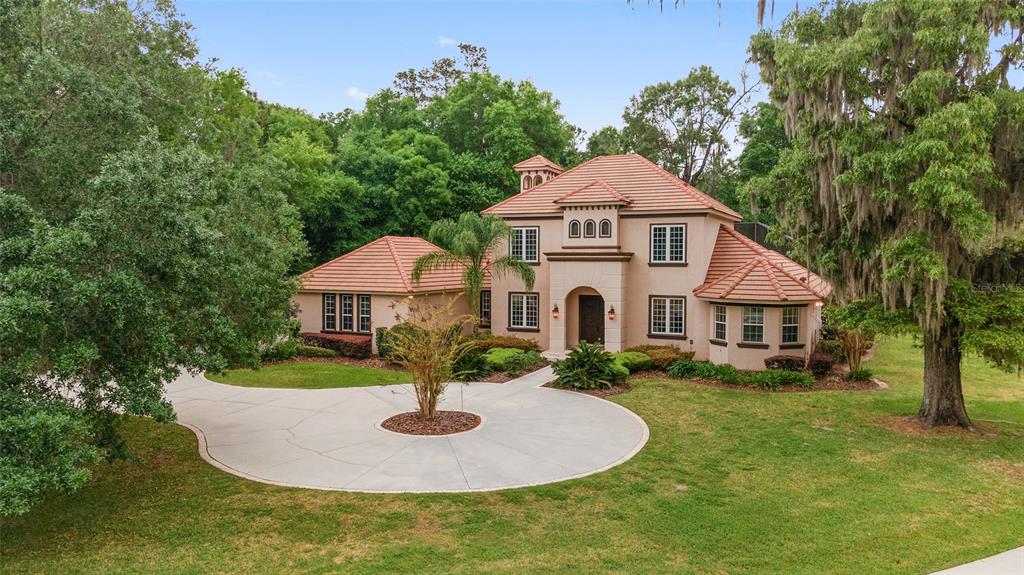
905	181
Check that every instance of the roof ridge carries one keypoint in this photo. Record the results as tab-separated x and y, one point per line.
774	281
535	188
702	197
744	271
398	263
765	254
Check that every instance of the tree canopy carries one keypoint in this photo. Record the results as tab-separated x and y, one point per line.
904	180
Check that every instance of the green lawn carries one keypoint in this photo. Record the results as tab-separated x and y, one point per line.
803	483
310	375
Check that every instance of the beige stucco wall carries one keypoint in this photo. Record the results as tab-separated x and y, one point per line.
383	309
628	285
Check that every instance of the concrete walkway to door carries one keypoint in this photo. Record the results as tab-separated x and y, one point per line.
331	438
1008	563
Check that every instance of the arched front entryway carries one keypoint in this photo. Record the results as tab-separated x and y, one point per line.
585	317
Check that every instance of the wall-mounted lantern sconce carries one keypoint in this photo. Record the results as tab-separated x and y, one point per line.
611	313
554	311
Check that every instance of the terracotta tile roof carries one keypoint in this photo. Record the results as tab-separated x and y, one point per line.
742	269
647	187
596	192
382	266
537	162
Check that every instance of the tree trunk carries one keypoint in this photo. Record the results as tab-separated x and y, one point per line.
943	401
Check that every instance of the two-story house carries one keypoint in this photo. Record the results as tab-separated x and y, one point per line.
628	254
624	253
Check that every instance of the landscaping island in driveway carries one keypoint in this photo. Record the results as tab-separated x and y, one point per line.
332	438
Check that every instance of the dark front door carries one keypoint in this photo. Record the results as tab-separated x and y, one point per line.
592	318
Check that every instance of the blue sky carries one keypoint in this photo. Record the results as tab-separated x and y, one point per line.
326	56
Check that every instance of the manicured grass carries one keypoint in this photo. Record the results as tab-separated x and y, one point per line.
310	375
797	483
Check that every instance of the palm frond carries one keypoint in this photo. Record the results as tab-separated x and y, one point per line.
511	265
434	261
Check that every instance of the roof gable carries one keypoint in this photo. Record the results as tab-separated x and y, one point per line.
537	162
382	266
645	187
596	192
741	269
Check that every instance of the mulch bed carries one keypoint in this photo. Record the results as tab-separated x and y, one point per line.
443	423
602	393
832	382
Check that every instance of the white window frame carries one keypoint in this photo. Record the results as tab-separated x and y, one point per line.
667	316
719	318
669	233
590	229
578	226
753	316
361	299
519	243
524	301
793	322
347	312
600	228
330	312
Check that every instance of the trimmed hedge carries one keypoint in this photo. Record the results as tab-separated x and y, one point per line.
386	340
487	341
634	361
499	357
820	364
281	350
315	351
725	373
355	346
787	362
661	356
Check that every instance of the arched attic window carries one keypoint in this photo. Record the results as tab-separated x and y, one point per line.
527	182
606	228
589	229
537	180
574	229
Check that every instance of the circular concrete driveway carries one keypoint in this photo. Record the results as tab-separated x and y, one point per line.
330	438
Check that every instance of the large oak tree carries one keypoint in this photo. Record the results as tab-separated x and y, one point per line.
906	176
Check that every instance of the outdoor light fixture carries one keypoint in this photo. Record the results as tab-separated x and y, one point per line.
554	311
611	313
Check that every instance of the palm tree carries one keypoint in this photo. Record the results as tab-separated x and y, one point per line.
468	244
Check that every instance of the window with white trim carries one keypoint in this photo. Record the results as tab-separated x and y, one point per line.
329	312
606	229
589	229
364	313
720	322
524	310
668	316
574	229
790	324
668	243
525	244
753	325
347	314
485	308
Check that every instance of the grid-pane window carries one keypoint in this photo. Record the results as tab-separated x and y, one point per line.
589	229
485	308
790	324
668	243
753	324
364	313
330	312
668	315
347	317
720	316
524	244
524	310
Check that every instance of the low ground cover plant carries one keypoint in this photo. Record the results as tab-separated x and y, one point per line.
634	361
314	351
589	366
862	374
725	373
661	356
776	378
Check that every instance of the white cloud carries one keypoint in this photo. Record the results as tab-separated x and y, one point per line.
445	41
355	93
